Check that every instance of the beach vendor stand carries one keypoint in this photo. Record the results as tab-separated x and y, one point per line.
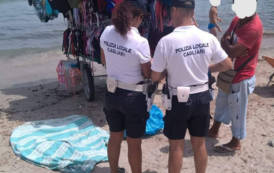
86	20
81	40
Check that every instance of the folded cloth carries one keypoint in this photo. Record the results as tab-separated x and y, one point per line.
70	144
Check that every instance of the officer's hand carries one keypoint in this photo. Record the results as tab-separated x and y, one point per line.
151	88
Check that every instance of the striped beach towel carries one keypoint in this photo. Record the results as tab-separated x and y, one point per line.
72	144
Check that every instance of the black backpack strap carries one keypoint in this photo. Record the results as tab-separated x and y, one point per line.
233	33
166	89
244	64
231	40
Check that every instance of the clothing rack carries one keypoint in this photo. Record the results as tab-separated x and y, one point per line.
85	24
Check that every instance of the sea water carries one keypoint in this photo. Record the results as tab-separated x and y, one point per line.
21	31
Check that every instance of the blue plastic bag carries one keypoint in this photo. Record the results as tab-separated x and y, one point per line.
155	123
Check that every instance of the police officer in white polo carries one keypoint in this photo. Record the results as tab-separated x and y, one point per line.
185	56
126	55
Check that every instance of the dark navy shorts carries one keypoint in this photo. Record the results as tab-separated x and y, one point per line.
193	115
126	110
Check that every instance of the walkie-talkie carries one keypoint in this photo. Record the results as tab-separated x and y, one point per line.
166	90
166	96
151	88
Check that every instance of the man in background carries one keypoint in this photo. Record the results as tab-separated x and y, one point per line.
241	42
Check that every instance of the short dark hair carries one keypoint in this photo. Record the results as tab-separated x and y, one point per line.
189	4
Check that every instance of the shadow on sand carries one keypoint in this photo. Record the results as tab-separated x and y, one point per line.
210	143
49	101
265	91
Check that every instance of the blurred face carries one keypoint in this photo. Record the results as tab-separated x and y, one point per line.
140	19
215	3
244	8
137	21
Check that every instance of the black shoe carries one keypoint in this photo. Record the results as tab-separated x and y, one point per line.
121	170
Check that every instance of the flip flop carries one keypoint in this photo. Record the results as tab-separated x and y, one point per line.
224	149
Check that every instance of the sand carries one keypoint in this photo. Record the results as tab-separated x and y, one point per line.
30	92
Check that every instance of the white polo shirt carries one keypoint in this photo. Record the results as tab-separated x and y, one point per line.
124	55
186	54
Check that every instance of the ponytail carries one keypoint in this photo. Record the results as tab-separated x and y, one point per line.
123	14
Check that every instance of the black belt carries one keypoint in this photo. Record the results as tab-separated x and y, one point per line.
198	84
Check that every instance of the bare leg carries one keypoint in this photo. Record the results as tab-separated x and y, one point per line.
214	31
135	154
214	130
200	153
114	146
176	152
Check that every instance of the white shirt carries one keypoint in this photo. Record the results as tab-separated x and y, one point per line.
186	54
124	55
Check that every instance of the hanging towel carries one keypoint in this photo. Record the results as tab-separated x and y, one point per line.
44	10
72	144
60	5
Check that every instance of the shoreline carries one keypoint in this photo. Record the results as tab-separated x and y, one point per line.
39	67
